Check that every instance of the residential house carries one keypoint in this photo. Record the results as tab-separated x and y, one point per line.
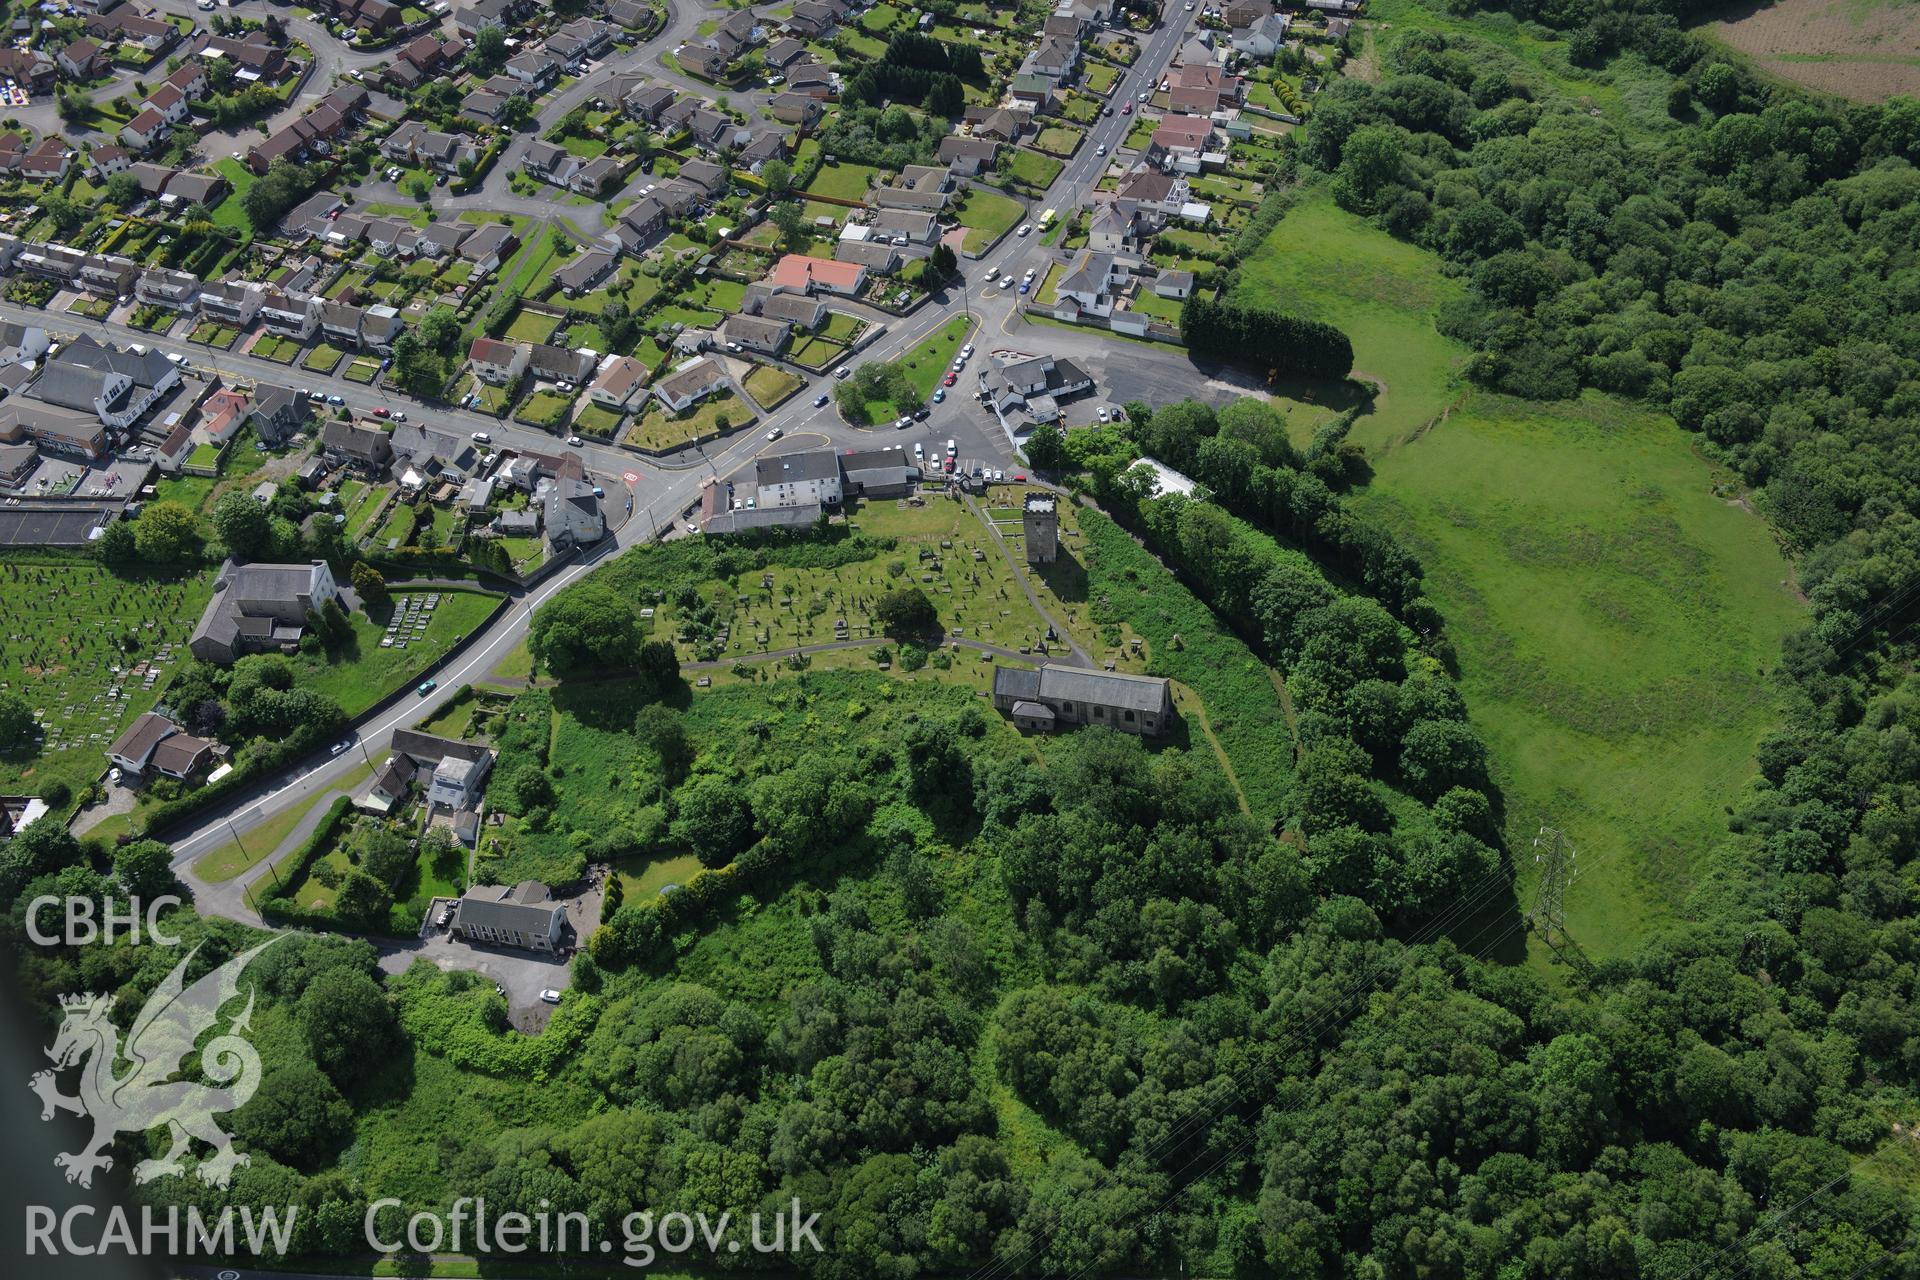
619	385
557	364
796	108
812	20
1181	143
82	59
29	68
968	157
537	70
813	80
875	256
1261	37
755	333
803	311
153	743
905	225
438	239
1057	695
260	606
21	342
489	246
1174	284
277	413
496	361
585	271
176	290
1114	227
470	19
691	383
1056	57
643	222
634	15
783	53
233	303
570	513
47	161
291	315
147	130
358	446
1093	284
647	102
190	78
801	273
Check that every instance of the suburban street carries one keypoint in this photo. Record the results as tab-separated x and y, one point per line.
662	490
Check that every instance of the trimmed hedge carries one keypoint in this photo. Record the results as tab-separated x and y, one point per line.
266	758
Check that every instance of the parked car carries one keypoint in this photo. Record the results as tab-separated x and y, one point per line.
920	414
427	687
550	996
336	399
993	273
113	777
1103	413
399	415
843	372
952	446
919	450
446	915
939	394
481	437
966	352
947	466
382	413
904	423
950	379
1026	286
575	441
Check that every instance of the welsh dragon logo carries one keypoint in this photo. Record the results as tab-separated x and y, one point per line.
147	1095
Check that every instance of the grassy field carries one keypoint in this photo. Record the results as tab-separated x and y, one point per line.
531	326
89	650
1032	168
1381	292
236	856
987	216
362	673
1613	618
1865	50
768	385
927	362
1611	613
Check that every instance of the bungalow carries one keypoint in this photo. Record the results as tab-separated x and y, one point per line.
801	273
968	157
438	239
905	224
620	383
872	255
796	309
496	361
634	15
584	272
488	247
153	742
756	333
691	383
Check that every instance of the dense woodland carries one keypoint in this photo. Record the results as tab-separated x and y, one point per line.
1076	1011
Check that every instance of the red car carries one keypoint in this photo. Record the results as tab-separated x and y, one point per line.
1127	109
950	379
379	413
948	464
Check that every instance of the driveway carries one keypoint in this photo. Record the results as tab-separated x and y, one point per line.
524	974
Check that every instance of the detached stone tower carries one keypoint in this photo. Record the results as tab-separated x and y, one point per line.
1042	524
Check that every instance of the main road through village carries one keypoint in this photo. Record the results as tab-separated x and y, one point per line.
661	492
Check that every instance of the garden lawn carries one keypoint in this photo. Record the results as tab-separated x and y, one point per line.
768	385
531	326
323	358
1033	169
657	430
598	421
236	856
846	181
544	409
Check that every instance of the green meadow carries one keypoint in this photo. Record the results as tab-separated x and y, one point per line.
1612	611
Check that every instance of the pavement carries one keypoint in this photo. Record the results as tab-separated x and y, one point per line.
664	491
